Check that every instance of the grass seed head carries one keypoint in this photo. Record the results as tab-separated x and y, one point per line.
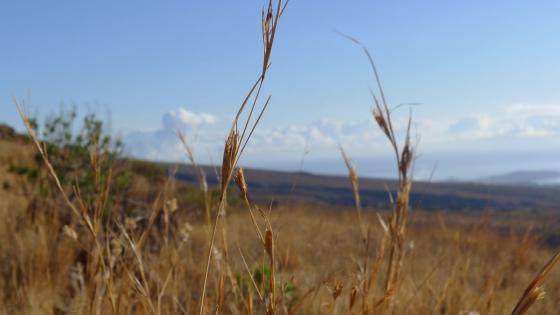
353	294
70	232
337	290
231	150
268	242
381	122
240	181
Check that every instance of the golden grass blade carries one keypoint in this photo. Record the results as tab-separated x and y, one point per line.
534	291
235	144
353	175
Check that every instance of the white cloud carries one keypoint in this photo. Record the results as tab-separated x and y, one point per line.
513	122
183	118
320	138
515	127
163	143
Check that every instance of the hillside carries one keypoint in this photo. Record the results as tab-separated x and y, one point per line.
496	193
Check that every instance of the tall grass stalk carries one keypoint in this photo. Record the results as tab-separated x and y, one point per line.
236	141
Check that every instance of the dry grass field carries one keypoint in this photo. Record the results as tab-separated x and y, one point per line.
84	231
453	264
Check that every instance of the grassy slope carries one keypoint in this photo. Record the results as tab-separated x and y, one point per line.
454	263
12	152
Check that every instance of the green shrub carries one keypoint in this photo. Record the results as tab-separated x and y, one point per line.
83	156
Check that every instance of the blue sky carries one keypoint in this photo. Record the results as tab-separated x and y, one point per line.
486	75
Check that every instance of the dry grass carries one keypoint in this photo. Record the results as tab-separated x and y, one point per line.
459	265
61	255
235	145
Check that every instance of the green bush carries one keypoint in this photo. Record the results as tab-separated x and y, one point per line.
83	156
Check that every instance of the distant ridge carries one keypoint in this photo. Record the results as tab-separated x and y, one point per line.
544	177
335	191
523	190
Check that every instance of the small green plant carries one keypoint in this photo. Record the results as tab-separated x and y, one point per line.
261	274
84	156
30	172
290	294
72	150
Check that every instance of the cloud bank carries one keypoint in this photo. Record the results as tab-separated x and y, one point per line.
514	128
516	121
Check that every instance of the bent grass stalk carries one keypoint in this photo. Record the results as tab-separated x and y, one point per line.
404	156
201	176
